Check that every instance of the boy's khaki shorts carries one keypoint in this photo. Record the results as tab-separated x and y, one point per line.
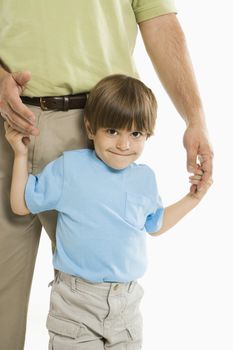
94	316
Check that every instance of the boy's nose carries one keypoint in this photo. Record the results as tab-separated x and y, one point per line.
123	143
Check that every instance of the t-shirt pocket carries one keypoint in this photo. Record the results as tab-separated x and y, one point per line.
136	209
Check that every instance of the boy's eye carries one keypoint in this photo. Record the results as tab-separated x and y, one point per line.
111	131
136	134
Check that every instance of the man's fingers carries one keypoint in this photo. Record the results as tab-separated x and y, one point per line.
21	125
18	122
23	111
206	166
18	115
13	132
191	161
199	171
196	143
205	178
25	129
7	128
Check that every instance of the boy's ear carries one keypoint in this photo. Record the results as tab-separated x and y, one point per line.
89	132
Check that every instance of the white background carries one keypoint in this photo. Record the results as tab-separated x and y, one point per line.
188	301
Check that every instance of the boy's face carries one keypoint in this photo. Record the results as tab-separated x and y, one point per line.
116	147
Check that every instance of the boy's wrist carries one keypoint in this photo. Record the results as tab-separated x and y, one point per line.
19	155
193	197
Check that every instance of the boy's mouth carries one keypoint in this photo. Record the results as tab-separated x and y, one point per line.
122	154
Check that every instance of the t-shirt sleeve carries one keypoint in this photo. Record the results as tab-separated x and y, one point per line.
147	9
43	191
154	220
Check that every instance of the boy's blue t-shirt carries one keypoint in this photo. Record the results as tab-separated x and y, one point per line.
103	217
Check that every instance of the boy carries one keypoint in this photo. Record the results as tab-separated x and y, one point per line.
106	203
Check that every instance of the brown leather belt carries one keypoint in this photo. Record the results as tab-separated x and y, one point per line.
59	103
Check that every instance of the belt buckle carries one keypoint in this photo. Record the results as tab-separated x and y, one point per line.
42	104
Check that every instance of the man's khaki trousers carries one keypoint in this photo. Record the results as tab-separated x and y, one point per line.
20	235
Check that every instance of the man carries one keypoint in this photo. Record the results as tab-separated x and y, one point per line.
67	49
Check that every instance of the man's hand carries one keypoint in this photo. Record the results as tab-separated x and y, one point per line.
18	116
195	180
198	146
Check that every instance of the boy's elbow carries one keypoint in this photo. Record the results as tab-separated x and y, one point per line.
23	213
18	207
154	234
158	233
20	211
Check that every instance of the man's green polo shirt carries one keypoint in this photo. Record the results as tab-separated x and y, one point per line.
68	46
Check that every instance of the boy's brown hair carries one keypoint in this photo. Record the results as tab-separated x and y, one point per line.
121	102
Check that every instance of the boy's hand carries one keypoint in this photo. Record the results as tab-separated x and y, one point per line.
196	180
19	142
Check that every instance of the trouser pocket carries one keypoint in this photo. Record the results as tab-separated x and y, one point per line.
135	333
69	335
62	333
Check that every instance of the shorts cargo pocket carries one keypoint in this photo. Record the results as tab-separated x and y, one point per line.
62	333
135	336
129	338
136	209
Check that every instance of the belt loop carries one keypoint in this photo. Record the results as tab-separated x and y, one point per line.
131	286
57	276
73	284
65	103
50	283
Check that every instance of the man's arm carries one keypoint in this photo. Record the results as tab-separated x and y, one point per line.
166	46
